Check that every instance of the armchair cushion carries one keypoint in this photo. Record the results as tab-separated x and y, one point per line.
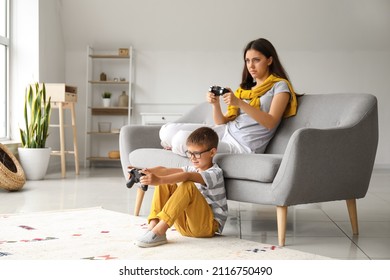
252	167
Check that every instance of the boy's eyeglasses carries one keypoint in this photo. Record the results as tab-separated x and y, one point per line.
197	155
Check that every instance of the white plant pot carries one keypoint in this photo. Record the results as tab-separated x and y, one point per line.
34	162
106	102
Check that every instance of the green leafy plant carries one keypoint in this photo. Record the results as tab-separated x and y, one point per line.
37	112
106	94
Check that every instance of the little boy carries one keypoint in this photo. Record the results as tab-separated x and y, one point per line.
192	198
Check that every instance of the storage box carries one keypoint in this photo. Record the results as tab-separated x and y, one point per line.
123	52
104	127
61	92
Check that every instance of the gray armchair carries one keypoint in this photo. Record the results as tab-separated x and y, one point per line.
324	153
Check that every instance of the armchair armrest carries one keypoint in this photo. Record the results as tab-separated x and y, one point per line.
326	164
134	137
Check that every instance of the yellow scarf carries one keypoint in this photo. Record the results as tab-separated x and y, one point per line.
254	94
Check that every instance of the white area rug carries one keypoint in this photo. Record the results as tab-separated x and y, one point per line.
95	233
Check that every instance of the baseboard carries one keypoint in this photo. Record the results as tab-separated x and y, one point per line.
382	167
54	167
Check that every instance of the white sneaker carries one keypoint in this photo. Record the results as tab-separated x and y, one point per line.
151	239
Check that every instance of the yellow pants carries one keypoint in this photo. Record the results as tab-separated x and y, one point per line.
185	207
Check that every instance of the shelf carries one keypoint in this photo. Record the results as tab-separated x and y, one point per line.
102	159
103	133
109	56
58	125
109	82
114	111
59	153
118	67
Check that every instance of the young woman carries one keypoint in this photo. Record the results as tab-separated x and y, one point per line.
255	109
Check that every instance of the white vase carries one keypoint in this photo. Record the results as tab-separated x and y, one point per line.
34	161
106	102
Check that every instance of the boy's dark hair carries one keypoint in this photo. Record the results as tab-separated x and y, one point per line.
204	136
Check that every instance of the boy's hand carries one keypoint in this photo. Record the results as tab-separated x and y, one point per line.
149	179
145	171
129	167
145	179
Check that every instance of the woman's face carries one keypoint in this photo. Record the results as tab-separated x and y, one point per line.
257	65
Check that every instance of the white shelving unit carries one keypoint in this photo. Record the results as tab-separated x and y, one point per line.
119	72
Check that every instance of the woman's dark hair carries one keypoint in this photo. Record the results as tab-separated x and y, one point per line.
267	49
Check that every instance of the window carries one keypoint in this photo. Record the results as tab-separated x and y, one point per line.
4	47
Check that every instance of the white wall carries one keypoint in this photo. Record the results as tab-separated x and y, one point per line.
24	58
184	46
51	43
52	70
37	55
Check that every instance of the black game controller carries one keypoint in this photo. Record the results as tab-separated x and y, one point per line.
135	178
217	90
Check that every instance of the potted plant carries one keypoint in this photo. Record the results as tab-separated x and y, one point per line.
34	155
106	99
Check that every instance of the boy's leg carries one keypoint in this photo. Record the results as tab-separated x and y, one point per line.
151	238
189	211
161	195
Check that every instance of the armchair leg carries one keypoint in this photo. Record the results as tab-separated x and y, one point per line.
281	216
138	201
351	205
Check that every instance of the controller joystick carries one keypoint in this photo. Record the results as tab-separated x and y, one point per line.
135	178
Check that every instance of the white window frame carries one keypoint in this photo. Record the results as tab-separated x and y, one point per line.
5	41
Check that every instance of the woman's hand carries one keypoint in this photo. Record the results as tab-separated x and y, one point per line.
212	98
230	99
218	116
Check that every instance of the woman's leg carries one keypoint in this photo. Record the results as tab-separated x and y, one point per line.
174	135
227	144
179	142
168	131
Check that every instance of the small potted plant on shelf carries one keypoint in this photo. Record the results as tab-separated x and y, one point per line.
106	99
34	155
